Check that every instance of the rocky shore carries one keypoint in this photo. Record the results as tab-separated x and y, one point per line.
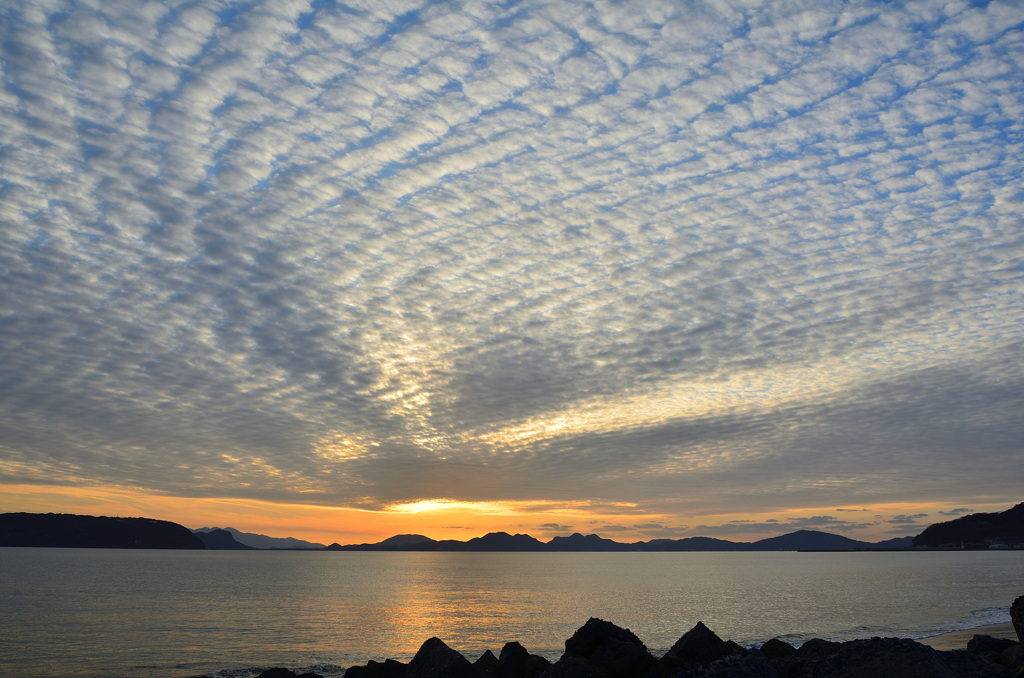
600	649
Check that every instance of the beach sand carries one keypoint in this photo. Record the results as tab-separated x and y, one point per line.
957	640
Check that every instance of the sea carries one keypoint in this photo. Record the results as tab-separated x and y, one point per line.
153	613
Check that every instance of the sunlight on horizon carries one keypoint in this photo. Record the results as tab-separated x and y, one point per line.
447	519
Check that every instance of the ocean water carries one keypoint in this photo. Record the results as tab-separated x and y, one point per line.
134	614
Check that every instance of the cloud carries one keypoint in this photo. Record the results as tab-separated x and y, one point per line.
956	512
554	527
907	519
363	255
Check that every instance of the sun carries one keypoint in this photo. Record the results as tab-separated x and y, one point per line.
430	505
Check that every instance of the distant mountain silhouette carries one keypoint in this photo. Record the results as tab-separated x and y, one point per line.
405	540
400	542
977	530
222	540
591	542
802	540
808	540
75	531
262	541
895	543
503	541
695	544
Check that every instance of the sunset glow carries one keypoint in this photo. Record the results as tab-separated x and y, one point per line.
341	271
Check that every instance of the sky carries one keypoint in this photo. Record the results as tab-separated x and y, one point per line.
343	270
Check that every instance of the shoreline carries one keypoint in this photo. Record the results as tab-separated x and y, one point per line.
957	640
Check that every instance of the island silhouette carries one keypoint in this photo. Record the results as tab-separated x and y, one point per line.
1002	530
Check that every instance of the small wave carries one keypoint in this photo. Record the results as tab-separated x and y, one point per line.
978	619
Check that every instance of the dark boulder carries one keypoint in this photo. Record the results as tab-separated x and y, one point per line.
982	644
701	644
536	665
434	659
512	660
515	662
750	665
486	665
1017	617
623	660
775	648
1003	653
893	658
816	647
389	668
277	673
596	633
610	650
570	667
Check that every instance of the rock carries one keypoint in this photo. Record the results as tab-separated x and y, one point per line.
487	664
595	633
982	644
277	673
733	666
701	644
1002	653
893	658
570	667
434	659
389	668
536	665
512	660
515	662
816	647
610	650
1017	617
623	660
776	648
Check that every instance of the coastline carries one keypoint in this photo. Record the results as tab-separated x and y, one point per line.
957	640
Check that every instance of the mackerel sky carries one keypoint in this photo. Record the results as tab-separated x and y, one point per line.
635	259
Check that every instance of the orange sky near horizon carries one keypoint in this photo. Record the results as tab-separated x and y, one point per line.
442	519
641	270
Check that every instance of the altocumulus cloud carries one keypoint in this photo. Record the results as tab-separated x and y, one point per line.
734	255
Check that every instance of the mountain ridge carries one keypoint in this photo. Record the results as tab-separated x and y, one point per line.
221	540
977	530
69	530
998	530
801	540
262	541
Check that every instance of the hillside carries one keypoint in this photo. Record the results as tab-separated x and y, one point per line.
977	530
262	541
74	531
222	540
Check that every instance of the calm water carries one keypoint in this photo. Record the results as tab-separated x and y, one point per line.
91	612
